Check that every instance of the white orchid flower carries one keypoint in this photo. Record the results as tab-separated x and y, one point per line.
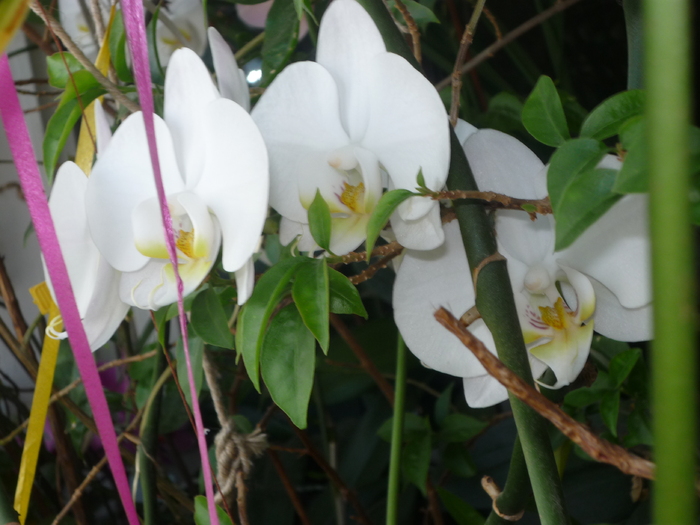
601	282
229	77
95	283
215	172
186	15
336	125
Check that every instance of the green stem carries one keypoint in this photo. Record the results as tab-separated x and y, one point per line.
392	502
495	303
517	491
7	513
255	42
667	78
149	440
635	43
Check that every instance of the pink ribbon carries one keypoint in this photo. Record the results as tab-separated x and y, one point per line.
30	179
136	37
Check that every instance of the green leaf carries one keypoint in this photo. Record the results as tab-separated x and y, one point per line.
420	13
633	177
56	67
543	114
458	428
288	361
344	297
609	410
420	180
281	35
415	459
257	311
196	357
201	512
312	297
413	425
584	396
209	320
304	6
461	511
66	116
117	49
442	405
638	428
458	461
606	119
504	113
584	201
380	216
622	364
572	158
320	221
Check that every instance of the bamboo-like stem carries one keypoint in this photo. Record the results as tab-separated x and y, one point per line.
466	41
517	491
674	362
53	25
635	43
412	29
392	499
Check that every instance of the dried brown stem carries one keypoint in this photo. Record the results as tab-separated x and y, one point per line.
498	200
7	291
367	364
288	487
346	493
412	29
597	448
37	39
53	26
465	42
434	504
369	272
353	257
508	38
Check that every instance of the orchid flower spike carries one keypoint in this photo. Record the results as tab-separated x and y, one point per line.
215	172
601	282
343	124
187	16
95	283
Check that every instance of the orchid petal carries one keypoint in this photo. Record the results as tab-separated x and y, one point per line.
235	180
617	322
426	281
566	353
585	295
188	18
188	92
408	129
67	206
300	121
348	40
231	80
149	234
290	229
245	281
347	233
122	178
102	128
202	225
425	233
371	177
483	391
531	324
615	250
105	311
464	130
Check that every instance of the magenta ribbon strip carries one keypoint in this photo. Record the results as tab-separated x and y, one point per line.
30	179
136	37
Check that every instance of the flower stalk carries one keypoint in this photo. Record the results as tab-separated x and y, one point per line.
667	78
392	500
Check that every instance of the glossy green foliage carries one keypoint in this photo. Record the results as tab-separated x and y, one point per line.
543	114
381	214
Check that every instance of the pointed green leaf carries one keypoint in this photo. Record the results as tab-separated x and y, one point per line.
381	214
56	67
201	513
345	299
457	460
320	221
281	35
256	313
622	364
209	320
458	428
461	511
312	297
606	119
288	362
584	201
633	177
196	357
117	49
543	114
568	161
609	410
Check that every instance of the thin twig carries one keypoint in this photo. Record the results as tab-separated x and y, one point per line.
353	257
28	81
464	44
7	291
37	39
42	107
369	272
507	39
498	200
599	449
361	355
288	487
53	25
412	29
347	494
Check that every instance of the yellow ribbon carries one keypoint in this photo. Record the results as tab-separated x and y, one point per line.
40	402
85	152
